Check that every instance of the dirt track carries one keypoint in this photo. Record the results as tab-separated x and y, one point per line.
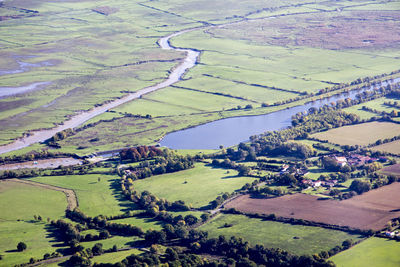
41	164
372	210
70	194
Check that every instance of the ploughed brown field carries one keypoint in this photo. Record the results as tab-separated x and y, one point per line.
371	210
392	170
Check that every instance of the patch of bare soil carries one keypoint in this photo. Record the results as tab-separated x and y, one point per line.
371	210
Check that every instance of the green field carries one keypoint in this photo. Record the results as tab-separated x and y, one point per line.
115	256
360	134
19	204
197	186
119	241
376	104
144	223
297	239
94	197
374	251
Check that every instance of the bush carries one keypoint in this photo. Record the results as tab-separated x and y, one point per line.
21	246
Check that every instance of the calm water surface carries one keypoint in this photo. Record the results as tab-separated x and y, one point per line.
231	131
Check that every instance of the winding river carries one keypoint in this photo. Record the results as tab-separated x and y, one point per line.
75	121
226	132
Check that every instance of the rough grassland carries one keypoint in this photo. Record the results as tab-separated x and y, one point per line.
297	239
197	186
377	252
360	134
94	197
19	203
371	210
391	147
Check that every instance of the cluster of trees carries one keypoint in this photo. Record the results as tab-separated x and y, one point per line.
71	234
219	200
384	141
303	125
43	154
101	222
53	141
360	187
242	169
59	171
373	80
82	257
152	204
268	191
170	258
330	164
240	252
394	113
135	154
160	165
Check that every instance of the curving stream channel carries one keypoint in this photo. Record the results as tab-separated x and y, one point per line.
226	132
75	121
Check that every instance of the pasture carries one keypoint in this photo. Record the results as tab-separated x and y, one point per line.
297	239
360	134
377	252
391	147
371	210
19	204
142	222
97	194
197	186
115	256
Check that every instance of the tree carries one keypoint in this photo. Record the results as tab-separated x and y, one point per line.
190	219
360	186
21	246
204	217
171	254
97	249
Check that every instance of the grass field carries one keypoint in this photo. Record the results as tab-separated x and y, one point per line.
94	197
119	241
360	134
297	239
115	256
363	114
391	147
144	223
376	104
19	204
197	186
377	252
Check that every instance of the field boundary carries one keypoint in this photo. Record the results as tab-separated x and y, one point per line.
69	193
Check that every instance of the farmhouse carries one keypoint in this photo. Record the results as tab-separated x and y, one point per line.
312	183
341	161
